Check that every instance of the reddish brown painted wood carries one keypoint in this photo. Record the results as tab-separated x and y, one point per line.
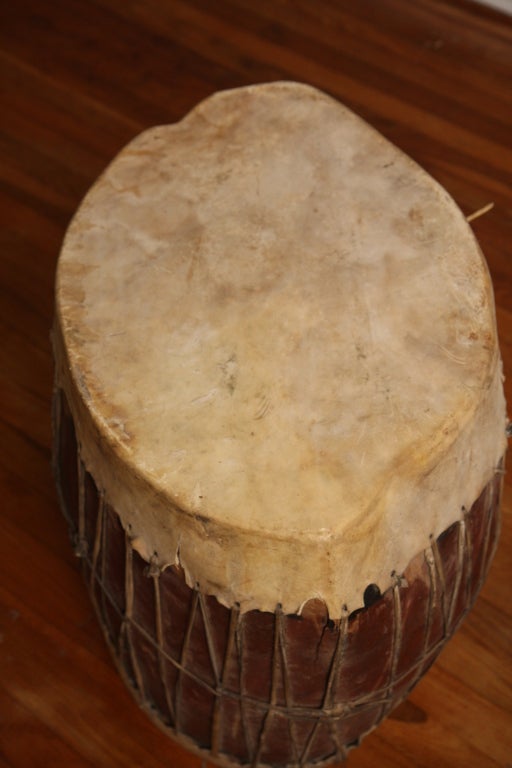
78	79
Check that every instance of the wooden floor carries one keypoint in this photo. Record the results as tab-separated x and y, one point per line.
79	78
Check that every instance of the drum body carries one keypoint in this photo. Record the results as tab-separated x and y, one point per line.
263	688
279	422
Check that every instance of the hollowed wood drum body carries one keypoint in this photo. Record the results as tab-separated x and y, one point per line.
283	509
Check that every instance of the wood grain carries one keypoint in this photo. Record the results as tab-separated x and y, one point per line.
78	79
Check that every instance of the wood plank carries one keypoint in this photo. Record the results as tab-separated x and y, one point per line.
30	743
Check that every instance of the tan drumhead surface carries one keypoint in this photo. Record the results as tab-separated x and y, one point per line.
283	350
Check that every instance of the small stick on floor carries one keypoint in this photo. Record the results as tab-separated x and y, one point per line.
480	212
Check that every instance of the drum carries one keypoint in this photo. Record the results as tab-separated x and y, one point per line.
279	422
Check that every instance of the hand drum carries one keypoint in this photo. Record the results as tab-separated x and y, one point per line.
279	422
